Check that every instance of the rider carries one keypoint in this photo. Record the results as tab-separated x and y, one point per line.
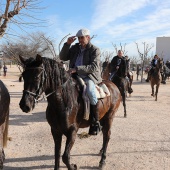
85	62
153	65
118	66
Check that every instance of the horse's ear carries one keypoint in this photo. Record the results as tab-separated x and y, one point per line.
39	58
22	59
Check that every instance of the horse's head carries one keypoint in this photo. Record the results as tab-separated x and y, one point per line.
33	77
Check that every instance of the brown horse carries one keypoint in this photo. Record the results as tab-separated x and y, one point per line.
4	118
155	78
65	108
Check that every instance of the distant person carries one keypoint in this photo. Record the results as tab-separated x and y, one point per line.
5	69
167	64
138	69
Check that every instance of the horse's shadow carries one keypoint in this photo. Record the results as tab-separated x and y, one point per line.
23	120
26	159
40	158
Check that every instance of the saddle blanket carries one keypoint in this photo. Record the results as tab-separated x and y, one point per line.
101	91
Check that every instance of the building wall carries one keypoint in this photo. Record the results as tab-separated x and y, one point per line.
163	48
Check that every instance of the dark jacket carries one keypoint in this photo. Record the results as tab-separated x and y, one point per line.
91	60
153	63
118	61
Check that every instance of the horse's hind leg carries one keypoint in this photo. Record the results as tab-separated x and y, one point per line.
2	155
106	137
156	93
124	103
123	94
57	140
69	143
152	86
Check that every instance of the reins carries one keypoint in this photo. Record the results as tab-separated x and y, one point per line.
37	96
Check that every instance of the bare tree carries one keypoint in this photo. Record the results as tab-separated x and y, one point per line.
106	55
10	9
29	47
122	48
144	55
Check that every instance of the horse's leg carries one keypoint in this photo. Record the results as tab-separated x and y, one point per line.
156	93
130	81
69	143
57	140
2	155
124	103
106	137
122	90
152	86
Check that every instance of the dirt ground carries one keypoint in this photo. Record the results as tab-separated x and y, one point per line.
139	142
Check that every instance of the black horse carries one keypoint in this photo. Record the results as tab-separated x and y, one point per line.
65	107
121	82
4	118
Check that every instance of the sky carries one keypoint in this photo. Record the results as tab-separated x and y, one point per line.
112	21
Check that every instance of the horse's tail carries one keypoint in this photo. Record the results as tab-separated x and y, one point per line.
5	133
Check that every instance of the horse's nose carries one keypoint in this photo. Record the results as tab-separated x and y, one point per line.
24	107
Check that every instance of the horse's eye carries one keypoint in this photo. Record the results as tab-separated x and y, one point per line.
36	78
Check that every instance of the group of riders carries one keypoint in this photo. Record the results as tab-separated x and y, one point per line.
84	62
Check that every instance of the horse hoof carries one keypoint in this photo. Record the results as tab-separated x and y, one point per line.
125	116
74	167
102	166
100	152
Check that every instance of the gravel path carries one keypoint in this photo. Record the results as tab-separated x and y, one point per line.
139	142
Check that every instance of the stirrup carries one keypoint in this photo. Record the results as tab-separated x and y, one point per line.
95	128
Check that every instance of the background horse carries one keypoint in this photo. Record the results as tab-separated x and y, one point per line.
65	108
155	78
120	82
165	74
129	75
4	118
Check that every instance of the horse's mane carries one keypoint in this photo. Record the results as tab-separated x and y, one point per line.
60	81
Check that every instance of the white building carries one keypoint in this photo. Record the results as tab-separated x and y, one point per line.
163	48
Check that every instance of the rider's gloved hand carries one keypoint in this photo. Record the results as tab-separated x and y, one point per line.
126	77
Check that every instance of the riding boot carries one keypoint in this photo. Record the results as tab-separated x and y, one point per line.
95	126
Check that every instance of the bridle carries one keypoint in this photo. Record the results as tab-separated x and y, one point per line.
37	96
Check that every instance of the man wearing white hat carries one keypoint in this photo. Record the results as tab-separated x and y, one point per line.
85	61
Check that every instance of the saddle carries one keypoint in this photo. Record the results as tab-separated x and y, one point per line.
101	91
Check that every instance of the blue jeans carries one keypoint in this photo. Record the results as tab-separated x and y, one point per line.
90	89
